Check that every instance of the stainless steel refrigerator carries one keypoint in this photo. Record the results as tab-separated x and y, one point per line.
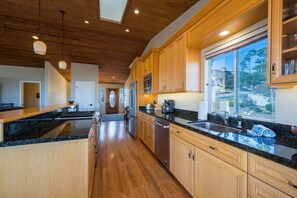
133	109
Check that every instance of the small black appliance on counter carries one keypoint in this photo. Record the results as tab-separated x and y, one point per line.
168	106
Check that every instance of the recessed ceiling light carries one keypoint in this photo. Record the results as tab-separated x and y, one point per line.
113	77
127	30
35	37
224	33
87	22
136	11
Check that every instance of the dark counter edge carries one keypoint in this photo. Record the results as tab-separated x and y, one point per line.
269	156
42	140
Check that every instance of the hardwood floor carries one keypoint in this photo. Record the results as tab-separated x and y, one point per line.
126	168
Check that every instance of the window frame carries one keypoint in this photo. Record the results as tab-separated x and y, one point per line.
247	36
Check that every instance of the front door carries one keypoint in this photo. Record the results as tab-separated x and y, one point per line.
112	101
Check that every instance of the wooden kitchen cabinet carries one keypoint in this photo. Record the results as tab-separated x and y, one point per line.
274	174
166	70
181	162
146	130
151	67
148	65
186	66
179	67
257	188
282	67
216	178
133	73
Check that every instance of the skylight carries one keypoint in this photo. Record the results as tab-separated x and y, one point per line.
112	10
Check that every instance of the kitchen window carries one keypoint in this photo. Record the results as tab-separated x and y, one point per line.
237	79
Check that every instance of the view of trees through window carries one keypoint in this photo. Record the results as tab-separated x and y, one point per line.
238	82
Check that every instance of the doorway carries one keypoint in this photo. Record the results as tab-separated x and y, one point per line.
84	95
112	101
30	94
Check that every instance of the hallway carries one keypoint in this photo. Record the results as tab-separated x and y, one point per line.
126	168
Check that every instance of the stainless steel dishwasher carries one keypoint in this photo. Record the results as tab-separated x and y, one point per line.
162	141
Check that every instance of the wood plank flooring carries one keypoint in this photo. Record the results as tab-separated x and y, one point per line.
126	168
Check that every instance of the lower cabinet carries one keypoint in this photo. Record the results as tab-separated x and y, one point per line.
216	178
203	174
146	130
181	162
258	188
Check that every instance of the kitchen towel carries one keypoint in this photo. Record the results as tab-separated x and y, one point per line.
202	112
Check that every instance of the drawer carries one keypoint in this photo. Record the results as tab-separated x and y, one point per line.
259	189
227	153
151	135
151	145
274	174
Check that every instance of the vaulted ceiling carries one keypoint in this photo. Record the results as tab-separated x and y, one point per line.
99	42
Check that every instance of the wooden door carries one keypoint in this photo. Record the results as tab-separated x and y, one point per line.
140	129
169	72
112	101
181	162
282	66
180	63
162	71
216	178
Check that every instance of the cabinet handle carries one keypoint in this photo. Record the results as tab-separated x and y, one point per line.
194	157
291	184
213	148
273	68
190	154
178	132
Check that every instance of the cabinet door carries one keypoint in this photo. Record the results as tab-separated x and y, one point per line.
148	65
216	178
162	71
282	42
145	132
180	63
181	162
140	129
169	85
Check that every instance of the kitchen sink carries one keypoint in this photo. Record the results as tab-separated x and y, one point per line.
214	127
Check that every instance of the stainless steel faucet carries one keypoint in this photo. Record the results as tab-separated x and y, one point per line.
224	115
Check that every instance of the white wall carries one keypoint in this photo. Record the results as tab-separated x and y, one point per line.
168	31
55	86
188	101
10	77
286	106
85	72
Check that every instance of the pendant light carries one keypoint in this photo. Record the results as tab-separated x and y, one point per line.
62	63
39	46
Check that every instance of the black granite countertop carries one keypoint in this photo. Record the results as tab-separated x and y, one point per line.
281	149
42	131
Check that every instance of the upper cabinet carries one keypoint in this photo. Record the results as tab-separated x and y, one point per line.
179	67
151	67
282	23
133	73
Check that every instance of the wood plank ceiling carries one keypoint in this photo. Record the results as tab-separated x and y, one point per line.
99	42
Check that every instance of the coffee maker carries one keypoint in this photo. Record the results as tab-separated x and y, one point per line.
168	106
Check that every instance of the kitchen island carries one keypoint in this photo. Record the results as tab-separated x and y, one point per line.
42	155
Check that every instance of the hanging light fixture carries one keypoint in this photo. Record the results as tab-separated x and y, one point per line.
39	46
62	63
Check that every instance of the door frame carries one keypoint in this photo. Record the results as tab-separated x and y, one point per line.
75	92
22	91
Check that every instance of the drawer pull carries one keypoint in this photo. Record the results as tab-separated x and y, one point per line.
178	132
213	148
291	184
